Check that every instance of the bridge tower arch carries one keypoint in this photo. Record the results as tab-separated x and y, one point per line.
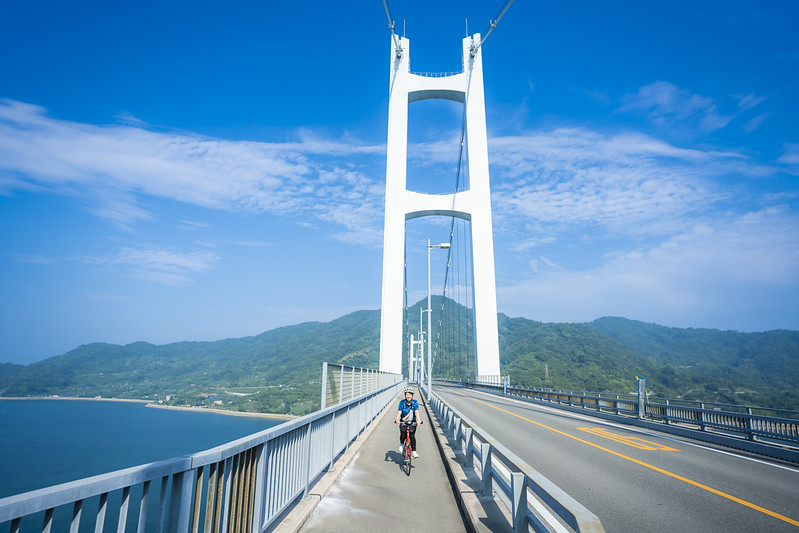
473	204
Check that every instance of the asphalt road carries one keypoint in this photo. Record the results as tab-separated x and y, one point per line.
638	480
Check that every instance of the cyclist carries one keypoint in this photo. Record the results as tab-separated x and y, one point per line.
408	413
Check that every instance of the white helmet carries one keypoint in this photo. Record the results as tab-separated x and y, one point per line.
408	389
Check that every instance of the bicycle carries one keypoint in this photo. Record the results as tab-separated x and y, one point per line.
407	448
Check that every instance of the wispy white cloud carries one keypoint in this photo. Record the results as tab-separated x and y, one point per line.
151	263
666	105
526	244
671	232
312	179
791	156
740	263
34	259
254	244
626	183
753	123
160	265
546	184
749	101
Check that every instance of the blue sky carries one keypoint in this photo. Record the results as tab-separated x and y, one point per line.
196	171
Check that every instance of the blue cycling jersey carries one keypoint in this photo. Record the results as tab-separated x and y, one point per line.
406	408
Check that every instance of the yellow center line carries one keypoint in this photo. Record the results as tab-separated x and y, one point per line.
647	465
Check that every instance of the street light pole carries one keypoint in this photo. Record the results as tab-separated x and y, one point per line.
443	246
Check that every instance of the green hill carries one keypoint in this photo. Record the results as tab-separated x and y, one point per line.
726	366
279	371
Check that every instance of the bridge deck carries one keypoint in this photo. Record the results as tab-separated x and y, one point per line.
372	493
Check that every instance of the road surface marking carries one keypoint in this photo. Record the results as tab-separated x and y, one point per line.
647	465
625	427
635	442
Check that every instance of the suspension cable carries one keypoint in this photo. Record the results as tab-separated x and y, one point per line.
405	309
492	24
391	27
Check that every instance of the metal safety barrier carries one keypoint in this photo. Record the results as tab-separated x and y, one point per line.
341	383
242	486
732	420
531	498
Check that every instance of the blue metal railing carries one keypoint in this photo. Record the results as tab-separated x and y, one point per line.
241	486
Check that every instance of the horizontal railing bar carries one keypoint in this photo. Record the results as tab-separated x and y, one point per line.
50	497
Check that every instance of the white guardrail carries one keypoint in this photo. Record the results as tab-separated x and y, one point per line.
739	419
531	498
341	383
241	486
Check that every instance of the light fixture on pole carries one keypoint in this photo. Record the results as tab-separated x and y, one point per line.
443	246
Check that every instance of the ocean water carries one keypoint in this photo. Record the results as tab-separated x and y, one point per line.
47	442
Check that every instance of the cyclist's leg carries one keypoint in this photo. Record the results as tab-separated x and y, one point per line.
412	429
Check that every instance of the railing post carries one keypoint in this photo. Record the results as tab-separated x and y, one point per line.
332	441
341	385
180	501
749	433
77	511
162	500
260	487
145	500
347	447
227	472
323	403
518	483
469	460
642	398
487	491
101	511
308	463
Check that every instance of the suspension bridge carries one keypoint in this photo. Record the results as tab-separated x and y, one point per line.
493	457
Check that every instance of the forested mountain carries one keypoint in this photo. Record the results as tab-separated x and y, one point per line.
754	368
279	371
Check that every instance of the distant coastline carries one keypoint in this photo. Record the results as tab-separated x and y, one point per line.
151	403
93	399
220	411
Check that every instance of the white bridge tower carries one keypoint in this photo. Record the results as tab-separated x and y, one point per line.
473	204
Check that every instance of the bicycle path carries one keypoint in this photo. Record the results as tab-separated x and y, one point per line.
374	494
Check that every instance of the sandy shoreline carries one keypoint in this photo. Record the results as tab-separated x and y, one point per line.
150	403
221	411
73	398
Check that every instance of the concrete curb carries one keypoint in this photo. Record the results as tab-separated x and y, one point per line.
481	515
299	514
